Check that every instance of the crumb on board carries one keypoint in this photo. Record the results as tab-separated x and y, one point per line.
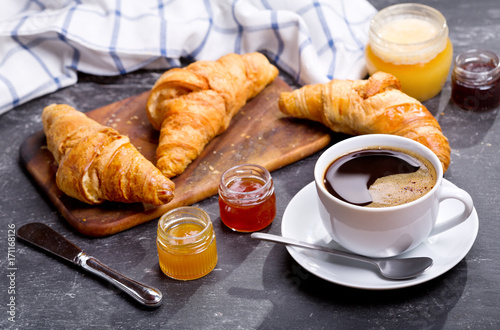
213	170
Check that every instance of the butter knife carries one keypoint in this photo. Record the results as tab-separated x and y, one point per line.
48	239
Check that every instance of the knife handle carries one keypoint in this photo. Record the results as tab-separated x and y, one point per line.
142	293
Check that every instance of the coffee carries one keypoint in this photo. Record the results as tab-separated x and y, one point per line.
380	177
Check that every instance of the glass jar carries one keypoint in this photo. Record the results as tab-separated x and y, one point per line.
411	42
247	201
186	243
475	80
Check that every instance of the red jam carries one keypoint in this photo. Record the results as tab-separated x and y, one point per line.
247	201
476	80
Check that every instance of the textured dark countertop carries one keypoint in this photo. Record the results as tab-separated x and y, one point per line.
255	284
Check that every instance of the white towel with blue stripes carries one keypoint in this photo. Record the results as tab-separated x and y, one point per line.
44	43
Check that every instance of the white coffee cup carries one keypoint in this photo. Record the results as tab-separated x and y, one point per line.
385	231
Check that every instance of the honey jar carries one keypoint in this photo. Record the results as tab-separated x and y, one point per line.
186	243
475	80
247	201
411	42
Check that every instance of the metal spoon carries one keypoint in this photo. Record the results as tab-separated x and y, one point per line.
394	269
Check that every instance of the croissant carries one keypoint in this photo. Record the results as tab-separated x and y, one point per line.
192	105
375	105
96	163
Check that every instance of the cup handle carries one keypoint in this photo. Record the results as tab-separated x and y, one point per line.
461	195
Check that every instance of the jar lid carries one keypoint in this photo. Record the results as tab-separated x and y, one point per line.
408	33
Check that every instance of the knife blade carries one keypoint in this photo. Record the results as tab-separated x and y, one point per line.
51	241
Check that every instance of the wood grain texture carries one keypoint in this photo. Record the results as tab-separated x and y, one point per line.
258	134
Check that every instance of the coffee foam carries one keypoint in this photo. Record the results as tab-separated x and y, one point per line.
404	188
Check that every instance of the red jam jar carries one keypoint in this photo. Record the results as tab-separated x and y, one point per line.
247	201
475	80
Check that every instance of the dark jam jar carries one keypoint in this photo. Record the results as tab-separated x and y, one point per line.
247	201
476	80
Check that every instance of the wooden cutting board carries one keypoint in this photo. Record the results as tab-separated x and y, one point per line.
258	134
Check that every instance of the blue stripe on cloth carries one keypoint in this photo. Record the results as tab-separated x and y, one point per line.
28	4
163	29
12	91
330	41
114	39
40	90
27	48
360	44
275	26
210	13
224	30
239	33
62	36
107	14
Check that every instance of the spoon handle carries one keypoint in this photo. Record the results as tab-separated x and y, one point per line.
294	242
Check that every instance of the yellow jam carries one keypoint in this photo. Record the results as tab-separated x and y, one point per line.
416	49
422	81
408	31
186	248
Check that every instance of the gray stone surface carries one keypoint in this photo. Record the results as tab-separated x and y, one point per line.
255	284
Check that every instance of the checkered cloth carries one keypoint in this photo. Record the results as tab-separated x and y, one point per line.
43	43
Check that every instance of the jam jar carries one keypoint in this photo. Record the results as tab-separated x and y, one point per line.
247	201
410	41
475	80
186	243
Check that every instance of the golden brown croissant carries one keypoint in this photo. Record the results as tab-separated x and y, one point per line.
375	105
96	163
192	105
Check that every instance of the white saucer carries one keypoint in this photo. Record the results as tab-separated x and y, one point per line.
301	221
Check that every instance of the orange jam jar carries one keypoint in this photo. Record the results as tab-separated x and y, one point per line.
186	243
247	201
411	42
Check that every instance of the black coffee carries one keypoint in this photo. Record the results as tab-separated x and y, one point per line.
376	177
